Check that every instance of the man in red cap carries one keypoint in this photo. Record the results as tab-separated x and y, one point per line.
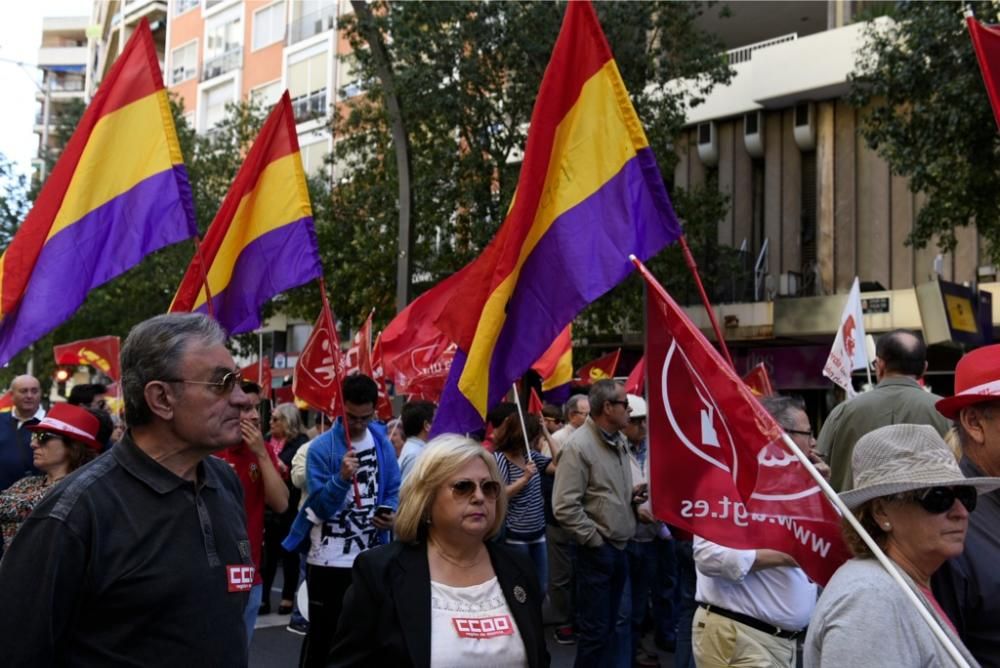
968	586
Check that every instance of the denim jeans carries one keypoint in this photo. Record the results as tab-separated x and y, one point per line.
665	590
539	555
642	572
686	582
601	575
250	613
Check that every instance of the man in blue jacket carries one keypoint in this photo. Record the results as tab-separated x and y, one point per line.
339	520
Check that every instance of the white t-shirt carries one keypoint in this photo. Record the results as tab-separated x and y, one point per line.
339	540
472	626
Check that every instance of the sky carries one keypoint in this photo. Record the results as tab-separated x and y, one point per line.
20	37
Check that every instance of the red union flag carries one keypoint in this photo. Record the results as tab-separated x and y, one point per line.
759	381
384	406
100	353
422	370
320	369
601	368
359	356
636	383
718	466
535	403
986	42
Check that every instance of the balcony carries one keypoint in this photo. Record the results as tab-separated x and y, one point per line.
311	24
55	56
219	65
309	107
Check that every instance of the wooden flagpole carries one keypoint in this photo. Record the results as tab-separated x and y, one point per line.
693	266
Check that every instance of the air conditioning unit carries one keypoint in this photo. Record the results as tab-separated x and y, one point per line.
753	133
805	126
708	144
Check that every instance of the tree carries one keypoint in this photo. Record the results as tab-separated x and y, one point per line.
930	118
467	75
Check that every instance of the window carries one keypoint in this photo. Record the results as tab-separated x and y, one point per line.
313	156
269	25
307	82
347	79
181	6
215	102
184	63
223	34
267	95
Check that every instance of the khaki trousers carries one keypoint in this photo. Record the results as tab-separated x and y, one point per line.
720	642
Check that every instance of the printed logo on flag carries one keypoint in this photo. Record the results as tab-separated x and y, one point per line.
323	373
240	577
483	627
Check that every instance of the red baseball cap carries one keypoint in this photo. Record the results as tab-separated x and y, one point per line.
977	380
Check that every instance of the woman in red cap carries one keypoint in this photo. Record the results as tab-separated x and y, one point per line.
64	440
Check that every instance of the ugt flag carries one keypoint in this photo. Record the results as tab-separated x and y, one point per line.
101	353
718	466
589	195
319	371
118	193
848	351
986	42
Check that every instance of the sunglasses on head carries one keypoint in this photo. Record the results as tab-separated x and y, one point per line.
462	489
937	500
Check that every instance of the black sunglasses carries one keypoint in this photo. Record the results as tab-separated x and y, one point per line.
42	436
937	500
462	489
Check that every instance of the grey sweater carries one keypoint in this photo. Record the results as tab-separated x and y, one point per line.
863	618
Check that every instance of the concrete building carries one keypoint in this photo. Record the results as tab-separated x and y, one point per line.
812	205
62	57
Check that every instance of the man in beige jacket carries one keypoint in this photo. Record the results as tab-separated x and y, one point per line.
594	500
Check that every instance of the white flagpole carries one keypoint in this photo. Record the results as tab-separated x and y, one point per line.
524	429
886	563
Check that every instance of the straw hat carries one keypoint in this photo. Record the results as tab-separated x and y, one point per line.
902	458
72	423
977	379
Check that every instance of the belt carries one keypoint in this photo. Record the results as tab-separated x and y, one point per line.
754	623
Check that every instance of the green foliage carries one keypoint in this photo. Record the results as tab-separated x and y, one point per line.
466	75
930	118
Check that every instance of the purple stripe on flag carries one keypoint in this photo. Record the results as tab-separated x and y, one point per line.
459	416
103	244
582	256
272	263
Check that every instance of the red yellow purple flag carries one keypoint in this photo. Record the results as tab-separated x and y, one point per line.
262	241
589	194
118	193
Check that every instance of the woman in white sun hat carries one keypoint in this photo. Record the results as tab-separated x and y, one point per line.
914	501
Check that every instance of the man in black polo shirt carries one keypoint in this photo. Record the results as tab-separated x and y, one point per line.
142	557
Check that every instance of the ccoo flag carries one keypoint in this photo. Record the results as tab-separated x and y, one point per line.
118	193
262	241
848	351
589	194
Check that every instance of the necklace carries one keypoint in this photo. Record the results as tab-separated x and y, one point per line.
457	562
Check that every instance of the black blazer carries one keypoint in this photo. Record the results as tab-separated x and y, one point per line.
386	618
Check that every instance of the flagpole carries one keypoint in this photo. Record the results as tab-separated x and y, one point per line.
343	408
693	266
204	275
260	360
524	429
886	563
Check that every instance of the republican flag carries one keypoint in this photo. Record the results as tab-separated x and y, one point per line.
260	372
986	42
555	366
101	353
384	406
636	382
359	355
118	193
589	194
262	241
848	351
718	465
600	369
759	381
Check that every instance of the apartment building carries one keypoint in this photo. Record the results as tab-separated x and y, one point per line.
811	205
62	57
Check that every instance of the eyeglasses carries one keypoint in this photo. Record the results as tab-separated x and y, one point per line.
799	432
221	387
463	489
43	436
584	413
620	402
937	500
359	419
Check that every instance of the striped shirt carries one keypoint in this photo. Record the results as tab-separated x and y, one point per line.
526	510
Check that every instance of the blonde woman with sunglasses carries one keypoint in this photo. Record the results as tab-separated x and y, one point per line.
442	594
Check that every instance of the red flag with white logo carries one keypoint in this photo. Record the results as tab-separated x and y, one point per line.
320	368
101	353
384	406
260	372
718	466
601	368
358	358
636	383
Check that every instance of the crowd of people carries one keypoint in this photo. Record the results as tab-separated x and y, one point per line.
160	543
